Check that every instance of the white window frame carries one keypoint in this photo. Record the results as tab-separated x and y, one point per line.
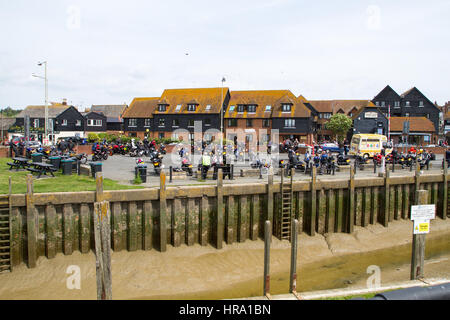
147	122
284	106
162	108
208	107
163	121
243	108
251	105
36	121
132	122
78	123
268	108
178	108
64	122
191	107
397	104
289	123
421	104
407	103
175	125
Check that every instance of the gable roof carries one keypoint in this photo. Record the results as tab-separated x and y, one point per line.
141	108
260	98
54	109
333	106
110	111
6	123
214	97
385	91
374	108
416	124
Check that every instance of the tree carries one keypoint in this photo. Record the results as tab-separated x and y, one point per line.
339	124
8	112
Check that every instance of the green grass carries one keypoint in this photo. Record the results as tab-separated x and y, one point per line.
60	183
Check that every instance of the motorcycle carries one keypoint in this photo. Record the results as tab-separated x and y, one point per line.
162	149
186	166
343	160
156	159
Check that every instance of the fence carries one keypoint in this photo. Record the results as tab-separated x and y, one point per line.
146	219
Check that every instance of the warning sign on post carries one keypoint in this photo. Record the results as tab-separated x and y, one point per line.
423	212
421	226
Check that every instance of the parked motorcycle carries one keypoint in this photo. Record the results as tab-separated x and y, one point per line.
156	160
187	166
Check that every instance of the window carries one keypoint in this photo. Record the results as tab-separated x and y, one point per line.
207	122
240	108
421	104
64	122
383	103
377	103
208	107
407	103
131	122
268	108
232	122
327	115
249	123
251	108
407	114
162	108
286	108
232	108
266	123
162	122
178	108
94	123
428	116
161	135
191	123
191	107
320	115
36	123
289	123
78	124
147	122
397	104
175	123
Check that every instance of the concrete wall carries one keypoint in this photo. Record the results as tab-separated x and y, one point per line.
46	224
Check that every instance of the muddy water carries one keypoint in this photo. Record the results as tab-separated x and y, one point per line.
332	273
195	272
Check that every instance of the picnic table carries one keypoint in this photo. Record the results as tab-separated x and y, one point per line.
42	168
18	163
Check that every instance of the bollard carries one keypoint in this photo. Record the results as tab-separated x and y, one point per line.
232	172
374	165
293	274
170	174
393	164
267	238
260	172
78	167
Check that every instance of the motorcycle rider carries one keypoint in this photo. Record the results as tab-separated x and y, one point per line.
206	164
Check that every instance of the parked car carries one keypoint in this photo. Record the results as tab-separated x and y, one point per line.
332	147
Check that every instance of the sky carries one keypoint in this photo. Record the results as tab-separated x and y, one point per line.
108	52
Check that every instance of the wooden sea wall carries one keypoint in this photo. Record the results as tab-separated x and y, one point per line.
148	219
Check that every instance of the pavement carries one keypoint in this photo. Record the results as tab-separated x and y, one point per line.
122	169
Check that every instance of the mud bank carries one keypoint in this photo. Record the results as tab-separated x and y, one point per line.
324	262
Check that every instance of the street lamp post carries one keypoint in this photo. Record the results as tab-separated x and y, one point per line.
221	117
46	99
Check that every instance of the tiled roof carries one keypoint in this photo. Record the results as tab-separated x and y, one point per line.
333	106
110	111
141	108
416	124
209	100
263	99
54	110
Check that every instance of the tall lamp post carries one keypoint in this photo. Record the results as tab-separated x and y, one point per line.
46	98
221	117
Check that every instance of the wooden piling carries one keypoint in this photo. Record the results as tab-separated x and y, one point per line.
219	211
147	226
132	226
50	239
204	221
31	224
385	216
418	244
162	213
444	209
270	205
313	204
230	220
351	201
293	269
255	208
267	240
85	228
68	230
102	231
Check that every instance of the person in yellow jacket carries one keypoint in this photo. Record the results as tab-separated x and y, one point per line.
206	164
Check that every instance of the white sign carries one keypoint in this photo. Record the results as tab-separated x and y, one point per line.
371	115
421	226
423	212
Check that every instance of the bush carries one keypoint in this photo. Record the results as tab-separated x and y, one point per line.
137	180
92	137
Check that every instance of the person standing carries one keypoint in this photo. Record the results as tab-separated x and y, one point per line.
206	164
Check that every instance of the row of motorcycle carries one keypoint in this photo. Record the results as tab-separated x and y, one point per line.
405	160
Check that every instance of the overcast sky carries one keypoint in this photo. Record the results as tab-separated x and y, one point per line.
108	52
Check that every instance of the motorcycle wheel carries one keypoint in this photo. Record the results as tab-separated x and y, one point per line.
83	159
105	157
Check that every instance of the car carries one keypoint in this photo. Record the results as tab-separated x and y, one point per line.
332	147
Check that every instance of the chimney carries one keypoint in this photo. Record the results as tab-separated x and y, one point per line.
64	102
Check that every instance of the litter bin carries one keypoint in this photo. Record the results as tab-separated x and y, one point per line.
96	167
142	171
55	162
66	166
37	157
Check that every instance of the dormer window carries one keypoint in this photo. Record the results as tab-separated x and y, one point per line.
162	107
268	108
240	108
232	108
251	108
191	107
408	104
286	107
420	103
178	108
208	107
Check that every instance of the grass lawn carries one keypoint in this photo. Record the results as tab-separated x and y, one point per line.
60	183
